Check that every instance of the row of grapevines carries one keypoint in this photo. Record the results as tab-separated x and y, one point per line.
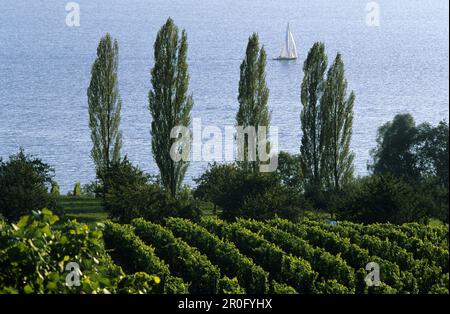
421	272
222	253
282	267
430	234
135	256
185	261
420	249
385	249
354	255
327	265
437	235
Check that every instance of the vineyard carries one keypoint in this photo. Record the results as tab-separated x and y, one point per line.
212	256
278	256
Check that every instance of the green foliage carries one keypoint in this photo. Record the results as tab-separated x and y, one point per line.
306	257
282	288
332	287
175	285
422	264
119	185
253	99
23	185
131	252
327	265
169	103
412	152
382	198
54	190
289	171
214	182
90	189
229	286
394	152
105	104
336	110
77	189
139	283
419	156
223	254
130	194
35	251
84	209
282	267
441	287
184	260
312	88
241	193
432	151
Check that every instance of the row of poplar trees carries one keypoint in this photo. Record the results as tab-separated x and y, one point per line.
326	117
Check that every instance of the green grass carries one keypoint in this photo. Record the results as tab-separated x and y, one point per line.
89	209
84	209
435	222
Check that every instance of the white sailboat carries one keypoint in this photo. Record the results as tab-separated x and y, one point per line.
289	50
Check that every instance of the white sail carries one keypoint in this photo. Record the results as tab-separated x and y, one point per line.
291	45
289	50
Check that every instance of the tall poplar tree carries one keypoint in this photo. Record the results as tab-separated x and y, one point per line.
337	121
169	102
253	97
312	88
105	105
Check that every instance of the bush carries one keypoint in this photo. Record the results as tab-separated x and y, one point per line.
90	189
128	193
382	198
77	189
289	172
55	189
240	193
23	184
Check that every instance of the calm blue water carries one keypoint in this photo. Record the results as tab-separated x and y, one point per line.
400	66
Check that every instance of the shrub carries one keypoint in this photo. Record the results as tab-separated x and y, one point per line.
54	189
24	180
382	198
90	189
76	189
240	193
128	193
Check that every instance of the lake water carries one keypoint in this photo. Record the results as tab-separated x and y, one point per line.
400	66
